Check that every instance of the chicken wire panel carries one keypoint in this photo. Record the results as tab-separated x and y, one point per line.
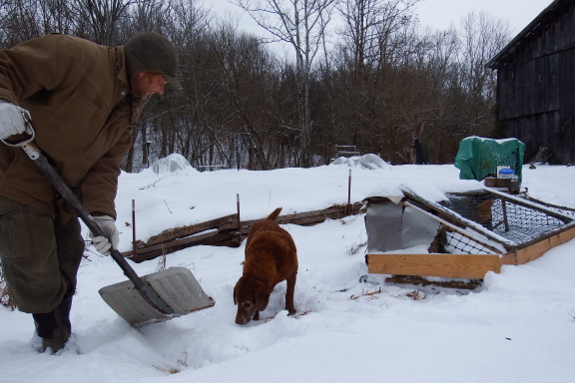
475	206
521	224
448	241
507	218
558	209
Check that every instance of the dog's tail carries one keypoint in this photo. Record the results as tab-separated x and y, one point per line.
275	214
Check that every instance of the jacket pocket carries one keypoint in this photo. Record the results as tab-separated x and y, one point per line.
7	205
78	119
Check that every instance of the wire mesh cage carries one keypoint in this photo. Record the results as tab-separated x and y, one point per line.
448	241
564	210
467	235
512	221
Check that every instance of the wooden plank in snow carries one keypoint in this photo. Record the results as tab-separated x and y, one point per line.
184	231
440	265
537	249
224	231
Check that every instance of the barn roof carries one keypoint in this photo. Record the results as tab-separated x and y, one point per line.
529	33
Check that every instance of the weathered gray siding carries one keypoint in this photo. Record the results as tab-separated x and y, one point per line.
536	90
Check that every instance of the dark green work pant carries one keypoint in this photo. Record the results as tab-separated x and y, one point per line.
40	256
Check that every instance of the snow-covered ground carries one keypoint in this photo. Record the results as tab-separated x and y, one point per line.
519	326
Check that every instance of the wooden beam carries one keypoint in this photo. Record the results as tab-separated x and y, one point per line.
469	284
509	258
549	204
214	238
185	231
307	218
224	231
532	252
229	222
438	265
567	235
535	250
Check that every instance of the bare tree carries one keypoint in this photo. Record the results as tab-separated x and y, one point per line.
153	15
248	82
370	26
302	24
444	103
99	20
374	72
8	8
21	21
482	37
57	16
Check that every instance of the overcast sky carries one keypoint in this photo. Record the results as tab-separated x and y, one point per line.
437	14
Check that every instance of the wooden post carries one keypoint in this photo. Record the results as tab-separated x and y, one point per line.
504	207
134	250
238	207
348	194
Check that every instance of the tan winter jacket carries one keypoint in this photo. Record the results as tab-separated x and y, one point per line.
78	95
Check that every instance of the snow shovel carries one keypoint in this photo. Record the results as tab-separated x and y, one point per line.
155	297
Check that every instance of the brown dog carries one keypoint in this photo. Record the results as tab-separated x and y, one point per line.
271	257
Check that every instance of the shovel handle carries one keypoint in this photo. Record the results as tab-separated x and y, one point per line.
24	142
144	288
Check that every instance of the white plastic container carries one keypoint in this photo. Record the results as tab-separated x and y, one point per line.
505	172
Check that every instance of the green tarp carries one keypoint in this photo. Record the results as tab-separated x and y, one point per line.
479	157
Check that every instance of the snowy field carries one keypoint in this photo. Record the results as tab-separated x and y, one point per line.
519	326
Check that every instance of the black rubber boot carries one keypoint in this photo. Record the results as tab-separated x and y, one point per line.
54	327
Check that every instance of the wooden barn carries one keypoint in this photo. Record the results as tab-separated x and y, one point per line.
536	84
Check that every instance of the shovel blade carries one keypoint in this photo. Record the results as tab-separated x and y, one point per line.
176	285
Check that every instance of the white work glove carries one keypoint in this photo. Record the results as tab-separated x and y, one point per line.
108	226
12	120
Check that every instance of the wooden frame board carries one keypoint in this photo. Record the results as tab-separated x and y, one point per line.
472	266
226	231
439	265
537	249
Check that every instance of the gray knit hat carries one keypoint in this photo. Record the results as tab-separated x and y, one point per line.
152	52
